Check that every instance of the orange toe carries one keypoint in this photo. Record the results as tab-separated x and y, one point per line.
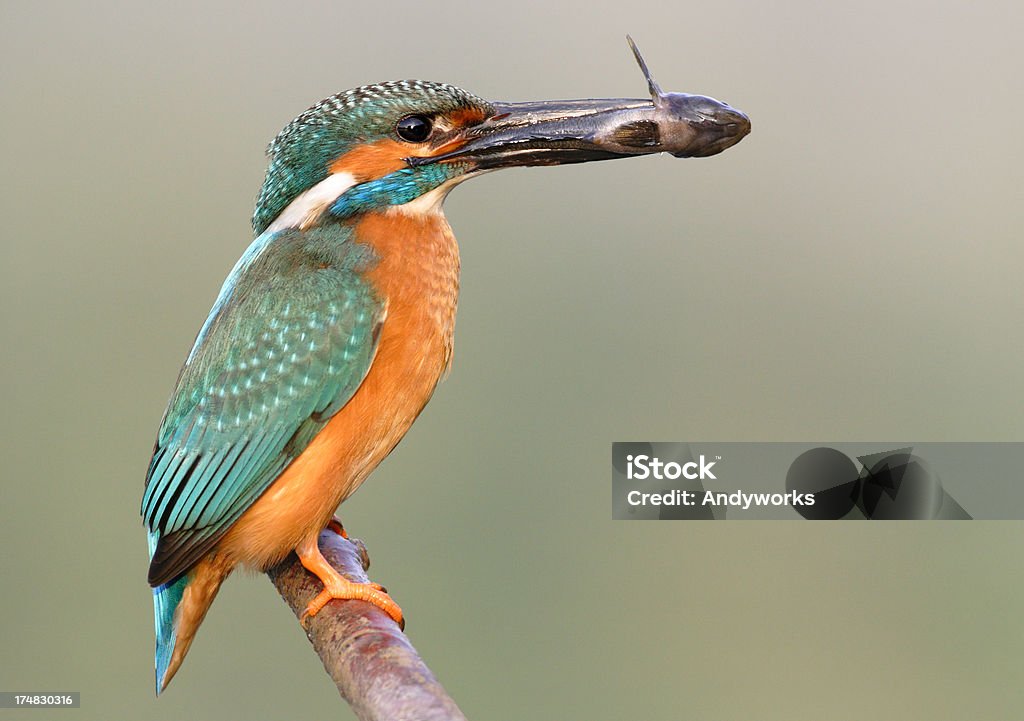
335	525
338	587
349	591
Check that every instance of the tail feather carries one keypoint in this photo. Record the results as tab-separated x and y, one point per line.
178	608
165	602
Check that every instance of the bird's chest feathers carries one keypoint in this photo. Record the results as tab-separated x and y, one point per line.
418	276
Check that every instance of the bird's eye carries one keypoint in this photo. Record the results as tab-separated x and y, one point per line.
414	128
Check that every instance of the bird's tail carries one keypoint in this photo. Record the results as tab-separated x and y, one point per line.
178	608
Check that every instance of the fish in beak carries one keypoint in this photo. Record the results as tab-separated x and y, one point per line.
577	131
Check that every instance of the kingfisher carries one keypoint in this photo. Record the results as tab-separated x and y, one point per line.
332	330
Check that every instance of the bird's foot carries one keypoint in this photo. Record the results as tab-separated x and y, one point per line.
348	590
338	587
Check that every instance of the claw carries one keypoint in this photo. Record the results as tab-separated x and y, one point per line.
335	525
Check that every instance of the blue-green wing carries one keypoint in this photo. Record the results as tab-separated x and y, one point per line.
287	344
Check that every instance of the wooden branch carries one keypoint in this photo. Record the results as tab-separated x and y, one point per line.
367	656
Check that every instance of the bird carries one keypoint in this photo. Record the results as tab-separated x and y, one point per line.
332	330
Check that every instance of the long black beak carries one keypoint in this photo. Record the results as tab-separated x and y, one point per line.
578	131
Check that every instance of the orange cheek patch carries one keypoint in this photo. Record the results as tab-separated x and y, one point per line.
375	160
372	161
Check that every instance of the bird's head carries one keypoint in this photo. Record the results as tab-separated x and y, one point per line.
355	140
392	143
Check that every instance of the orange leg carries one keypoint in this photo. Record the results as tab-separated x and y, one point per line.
338	587
335	525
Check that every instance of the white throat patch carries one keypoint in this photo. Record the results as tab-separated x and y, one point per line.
310	204
431	201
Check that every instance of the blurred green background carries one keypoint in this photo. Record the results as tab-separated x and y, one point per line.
851	271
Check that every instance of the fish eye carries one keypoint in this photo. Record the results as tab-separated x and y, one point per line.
414	128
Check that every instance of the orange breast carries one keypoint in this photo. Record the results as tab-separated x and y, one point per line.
418	275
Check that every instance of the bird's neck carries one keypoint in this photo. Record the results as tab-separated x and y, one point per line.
415	187
398	217
345	194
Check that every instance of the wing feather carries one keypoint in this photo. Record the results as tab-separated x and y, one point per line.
289	341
